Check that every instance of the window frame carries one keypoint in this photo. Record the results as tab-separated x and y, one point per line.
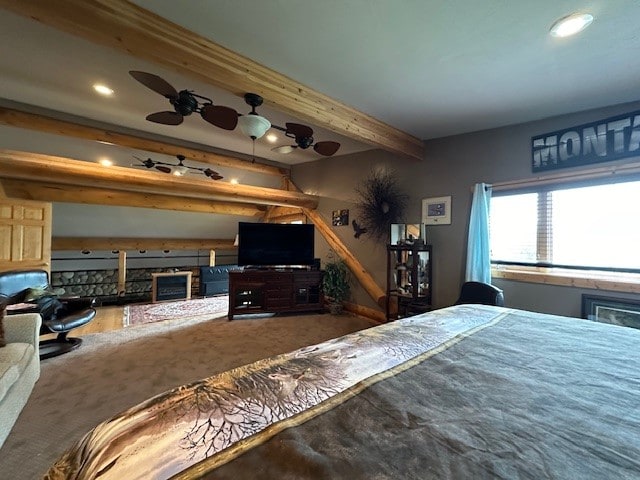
589	278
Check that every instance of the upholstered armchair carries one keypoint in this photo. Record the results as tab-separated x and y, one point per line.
29	291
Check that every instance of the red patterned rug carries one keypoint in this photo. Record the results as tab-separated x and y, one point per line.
210	307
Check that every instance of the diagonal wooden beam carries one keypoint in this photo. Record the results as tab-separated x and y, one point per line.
42	123
49	169
126	27
51	192
363	276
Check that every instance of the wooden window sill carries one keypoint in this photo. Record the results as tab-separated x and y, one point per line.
597	280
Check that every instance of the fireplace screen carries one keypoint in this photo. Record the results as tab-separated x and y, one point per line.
171	286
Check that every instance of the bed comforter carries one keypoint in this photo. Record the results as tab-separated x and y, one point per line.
462	392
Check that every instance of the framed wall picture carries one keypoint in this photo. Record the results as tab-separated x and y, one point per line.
340	218
436	211
616	311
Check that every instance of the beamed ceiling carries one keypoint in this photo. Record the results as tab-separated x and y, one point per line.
365	74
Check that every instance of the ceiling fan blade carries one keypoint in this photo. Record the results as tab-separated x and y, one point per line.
284	149
326	148
298	130
222	117
166	118
155	83
163	169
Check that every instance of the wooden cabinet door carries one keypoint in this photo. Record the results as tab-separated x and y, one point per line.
25	235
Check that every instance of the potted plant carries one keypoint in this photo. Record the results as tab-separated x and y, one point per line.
335	284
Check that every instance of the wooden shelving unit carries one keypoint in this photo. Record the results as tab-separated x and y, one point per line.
409	280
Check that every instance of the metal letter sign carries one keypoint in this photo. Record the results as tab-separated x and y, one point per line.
610	139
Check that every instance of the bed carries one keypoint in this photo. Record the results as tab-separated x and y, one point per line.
469	391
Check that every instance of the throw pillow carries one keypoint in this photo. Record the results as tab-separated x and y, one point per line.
34	294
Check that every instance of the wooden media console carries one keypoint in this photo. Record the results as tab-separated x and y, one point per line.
274	291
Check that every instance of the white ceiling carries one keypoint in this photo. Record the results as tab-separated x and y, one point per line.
429	67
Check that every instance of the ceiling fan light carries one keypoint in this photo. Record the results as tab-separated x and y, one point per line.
254	126
179	170
283	149
571	24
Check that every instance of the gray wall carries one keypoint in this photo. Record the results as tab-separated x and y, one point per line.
452	166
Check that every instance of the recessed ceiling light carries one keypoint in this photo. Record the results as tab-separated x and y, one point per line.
571	24
272	137
105	142
234	181
103	89
105	162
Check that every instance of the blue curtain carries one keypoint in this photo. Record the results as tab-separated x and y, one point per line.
478	250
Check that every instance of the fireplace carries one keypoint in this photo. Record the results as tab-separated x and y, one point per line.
171	286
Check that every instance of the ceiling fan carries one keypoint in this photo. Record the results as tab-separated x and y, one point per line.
178	169
184	103
303	137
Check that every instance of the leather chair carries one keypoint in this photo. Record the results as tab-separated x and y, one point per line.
481	293
59	315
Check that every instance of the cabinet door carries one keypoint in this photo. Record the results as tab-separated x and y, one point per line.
25	235
422	281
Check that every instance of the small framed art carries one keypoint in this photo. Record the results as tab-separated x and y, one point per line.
340	218
617	311
436	211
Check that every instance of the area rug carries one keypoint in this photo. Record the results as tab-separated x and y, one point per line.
210	307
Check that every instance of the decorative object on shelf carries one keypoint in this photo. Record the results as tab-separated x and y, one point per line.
381	203
616	311
397	234
340	218
335	283
358	230
408	234
436	210
303	137
178	169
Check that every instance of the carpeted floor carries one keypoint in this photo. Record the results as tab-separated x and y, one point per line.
113	371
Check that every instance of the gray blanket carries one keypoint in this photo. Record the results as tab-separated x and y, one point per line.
465	392
533	396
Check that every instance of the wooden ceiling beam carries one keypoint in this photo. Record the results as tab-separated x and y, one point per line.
49	169
51	192
42	123
135	31
99	243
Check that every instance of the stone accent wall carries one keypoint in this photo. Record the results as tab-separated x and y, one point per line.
103	284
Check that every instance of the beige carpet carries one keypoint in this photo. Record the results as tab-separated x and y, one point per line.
113	371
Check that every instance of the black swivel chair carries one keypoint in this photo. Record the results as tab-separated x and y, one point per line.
481	293
59	314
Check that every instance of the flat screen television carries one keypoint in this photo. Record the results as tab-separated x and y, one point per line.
275	244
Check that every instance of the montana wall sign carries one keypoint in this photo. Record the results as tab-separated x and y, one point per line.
602	141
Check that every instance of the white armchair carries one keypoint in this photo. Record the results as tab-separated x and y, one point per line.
19	367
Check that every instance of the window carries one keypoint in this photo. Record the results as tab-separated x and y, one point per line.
580	227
